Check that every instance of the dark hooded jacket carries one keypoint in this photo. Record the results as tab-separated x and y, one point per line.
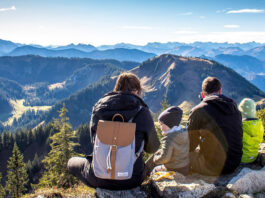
128	105
216	126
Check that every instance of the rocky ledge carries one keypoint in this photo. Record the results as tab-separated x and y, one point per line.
248	181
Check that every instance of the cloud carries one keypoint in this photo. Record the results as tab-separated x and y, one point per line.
12	8
231	26
222	11
186	13
136	27
255	11
202	17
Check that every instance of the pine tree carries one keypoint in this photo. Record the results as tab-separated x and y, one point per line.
2	190
62	149
17	174
164	104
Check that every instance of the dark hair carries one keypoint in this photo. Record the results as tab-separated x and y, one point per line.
211	85
128	82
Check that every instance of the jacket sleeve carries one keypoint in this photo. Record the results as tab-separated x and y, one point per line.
193	126
146	123
164	155
93	126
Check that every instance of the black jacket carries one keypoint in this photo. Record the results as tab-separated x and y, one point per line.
128	105
216	125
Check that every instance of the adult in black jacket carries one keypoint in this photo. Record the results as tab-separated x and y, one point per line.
215	125
125	100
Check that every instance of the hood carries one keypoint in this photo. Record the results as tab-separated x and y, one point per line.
124	103
221	102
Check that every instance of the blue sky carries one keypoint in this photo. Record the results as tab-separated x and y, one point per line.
60	22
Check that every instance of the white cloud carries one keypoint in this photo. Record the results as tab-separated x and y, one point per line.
255	11
202	17
136	27
12	8
231	26
186	13
222	11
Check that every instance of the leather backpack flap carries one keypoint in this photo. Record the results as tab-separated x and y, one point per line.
116	133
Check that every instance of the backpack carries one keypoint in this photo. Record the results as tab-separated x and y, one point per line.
114	149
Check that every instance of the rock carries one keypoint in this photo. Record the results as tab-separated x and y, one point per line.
248	181
246	196
229	195
181	186
133	193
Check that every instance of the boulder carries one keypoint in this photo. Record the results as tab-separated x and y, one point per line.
248	181
180	186
132	193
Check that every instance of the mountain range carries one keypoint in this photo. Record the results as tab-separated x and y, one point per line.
250	67
39	81
44	76
175	77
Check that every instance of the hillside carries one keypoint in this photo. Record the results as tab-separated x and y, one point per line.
120	54
247	66
32	69
41	82
177	78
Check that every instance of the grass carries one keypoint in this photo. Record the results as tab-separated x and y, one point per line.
19	109
80	191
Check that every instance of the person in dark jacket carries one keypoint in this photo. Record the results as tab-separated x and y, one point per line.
215	131
125	100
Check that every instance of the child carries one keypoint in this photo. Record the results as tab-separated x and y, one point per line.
174	155
252	130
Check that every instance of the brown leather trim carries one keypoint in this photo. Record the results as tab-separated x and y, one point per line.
113	159
116	133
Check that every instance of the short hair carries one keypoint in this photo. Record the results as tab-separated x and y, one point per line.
211	85
128	82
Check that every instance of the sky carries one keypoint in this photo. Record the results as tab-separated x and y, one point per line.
105	22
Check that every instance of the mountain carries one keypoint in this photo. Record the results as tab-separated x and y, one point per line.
34	69
31	50
179	79
259	81
119	54
81	47
175	77
187	51
8	90
258	52
249	67
210	48
30	84
7	46
241	64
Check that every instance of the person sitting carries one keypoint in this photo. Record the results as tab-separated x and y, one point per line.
215	131
252	130
125	100
174	155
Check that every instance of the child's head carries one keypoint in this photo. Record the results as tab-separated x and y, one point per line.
247	107
170	117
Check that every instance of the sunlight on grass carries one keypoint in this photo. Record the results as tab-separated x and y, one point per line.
19	109
78	191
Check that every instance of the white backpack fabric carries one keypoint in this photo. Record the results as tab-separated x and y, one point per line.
114	149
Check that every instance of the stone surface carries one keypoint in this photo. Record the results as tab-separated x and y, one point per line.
133	193
181	186
248	181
